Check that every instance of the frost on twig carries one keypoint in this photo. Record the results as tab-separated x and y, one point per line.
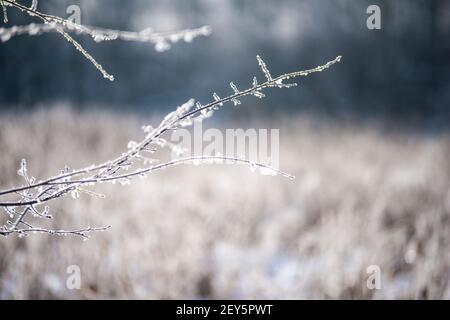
161	40
34	5
32	199
5	12
263	66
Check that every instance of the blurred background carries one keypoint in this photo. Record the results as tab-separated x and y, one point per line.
367	139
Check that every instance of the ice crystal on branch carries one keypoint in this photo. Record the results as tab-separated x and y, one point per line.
5	13
34	5
264	68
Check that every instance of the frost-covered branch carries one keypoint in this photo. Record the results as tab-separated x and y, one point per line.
30	199
161	40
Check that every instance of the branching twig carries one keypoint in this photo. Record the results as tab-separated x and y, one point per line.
35	193
53	23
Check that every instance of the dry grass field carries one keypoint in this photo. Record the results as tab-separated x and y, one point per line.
362	196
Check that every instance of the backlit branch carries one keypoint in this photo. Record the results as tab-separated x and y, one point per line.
19	203
161	40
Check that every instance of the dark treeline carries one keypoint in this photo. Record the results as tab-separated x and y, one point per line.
399	72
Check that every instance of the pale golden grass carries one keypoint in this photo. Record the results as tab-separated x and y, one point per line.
362	197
